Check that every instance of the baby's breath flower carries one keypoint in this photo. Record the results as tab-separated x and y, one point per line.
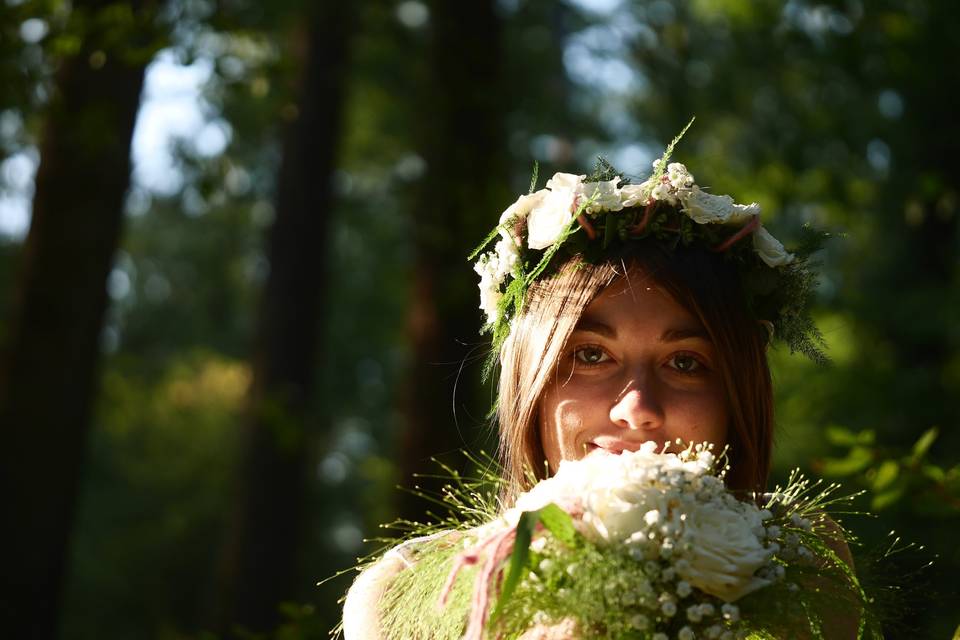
684	589
693	614
730	612
669	608
686	633
660	636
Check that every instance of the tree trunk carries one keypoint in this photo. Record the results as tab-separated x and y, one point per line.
48	372
258	571
458	203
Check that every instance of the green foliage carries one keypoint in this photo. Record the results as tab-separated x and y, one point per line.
892	473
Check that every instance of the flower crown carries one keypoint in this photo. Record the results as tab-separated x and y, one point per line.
593	216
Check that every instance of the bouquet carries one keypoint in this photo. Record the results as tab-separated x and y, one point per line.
642	545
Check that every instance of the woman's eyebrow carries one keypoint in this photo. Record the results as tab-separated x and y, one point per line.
595	326
675	335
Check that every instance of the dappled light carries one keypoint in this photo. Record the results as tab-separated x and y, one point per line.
236	311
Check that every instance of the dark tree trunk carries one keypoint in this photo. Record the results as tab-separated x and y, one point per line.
259	567
458	203
48	372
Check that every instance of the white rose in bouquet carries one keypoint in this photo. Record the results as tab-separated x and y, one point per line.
724	551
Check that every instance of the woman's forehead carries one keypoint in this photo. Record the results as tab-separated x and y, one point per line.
637	298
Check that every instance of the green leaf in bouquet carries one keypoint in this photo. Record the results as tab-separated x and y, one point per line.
559	523
526	525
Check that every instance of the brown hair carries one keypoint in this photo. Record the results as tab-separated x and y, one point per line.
706	284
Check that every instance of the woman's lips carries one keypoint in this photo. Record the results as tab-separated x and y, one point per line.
615	446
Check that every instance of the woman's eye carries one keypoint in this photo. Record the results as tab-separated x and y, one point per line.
685	363
590	355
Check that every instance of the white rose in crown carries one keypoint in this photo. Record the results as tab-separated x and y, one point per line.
554	212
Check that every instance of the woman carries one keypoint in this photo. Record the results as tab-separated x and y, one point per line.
623	314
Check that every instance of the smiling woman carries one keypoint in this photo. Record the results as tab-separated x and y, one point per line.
649	344
626	320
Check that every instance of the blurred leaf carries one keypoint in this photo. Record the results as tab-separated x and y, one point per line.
858	459
922	445
887	498
843	437
885	475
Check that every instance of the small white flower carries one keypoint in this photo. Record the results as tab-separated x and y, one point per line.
693	614
730	612
684	589
664	193
508	254
773	531
632	195
602	196
713	631
659	635
770	250
678	175
490	296
707	609
669	608
707	208
686	633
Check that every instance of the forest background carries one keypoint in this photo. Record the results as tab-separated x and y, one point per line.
235	311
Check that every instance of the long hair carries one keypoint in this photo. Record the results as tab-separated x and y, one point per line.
706	284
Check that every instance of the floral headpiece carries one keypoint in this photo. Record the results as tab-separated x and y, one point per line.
592	216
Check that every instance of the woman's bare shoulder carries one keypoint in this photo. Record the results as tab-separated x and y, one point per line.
361	606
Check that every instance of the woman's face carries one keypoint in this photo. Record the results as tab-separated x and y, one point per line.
637	367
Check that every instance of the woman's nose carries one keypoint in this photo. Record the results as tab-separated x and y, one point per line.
637	408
